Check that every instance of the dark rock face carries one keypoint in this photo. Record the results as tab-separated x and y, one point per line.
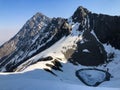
89	51
80	14
107	29
93	77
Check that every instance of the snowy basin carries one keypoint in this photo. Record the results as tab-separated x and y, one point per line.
93	77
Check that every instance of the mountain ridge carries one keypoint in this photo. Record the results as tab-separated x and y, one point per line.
55	45
32	26
69	49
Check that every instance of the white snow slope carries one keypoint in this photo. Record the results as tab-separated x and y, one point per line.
40	80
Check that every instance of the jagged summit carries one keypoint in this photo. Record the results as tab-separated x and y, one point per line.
39	15
82	9
80	14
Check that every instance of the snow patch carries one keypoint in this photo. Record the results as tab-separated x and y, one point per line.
86	50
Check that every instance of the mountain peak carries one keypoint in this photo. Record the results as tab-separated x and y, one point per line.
80	14
36	19
81	8
39	14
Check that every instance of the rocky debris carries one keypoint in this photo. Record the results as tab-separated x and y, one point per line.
93	77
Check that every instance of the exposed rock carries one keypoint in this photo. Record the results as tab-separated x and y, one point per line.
17	48
106	28
49	33
25	36
95	55
57	63
80	14
55	67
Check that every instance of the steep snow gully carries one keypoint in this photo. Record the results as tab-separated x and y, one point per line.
64	54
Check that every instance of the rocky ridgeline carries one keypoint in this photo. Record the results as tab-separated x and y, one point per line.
41	32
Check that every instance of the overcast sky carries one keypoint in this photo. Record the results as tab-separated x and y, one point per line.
14	13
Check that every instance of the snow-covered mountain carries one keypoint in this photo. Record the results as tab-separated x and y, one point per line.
83	49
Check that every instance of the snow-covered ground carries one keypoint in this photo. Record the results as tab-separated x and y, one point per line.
40	80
